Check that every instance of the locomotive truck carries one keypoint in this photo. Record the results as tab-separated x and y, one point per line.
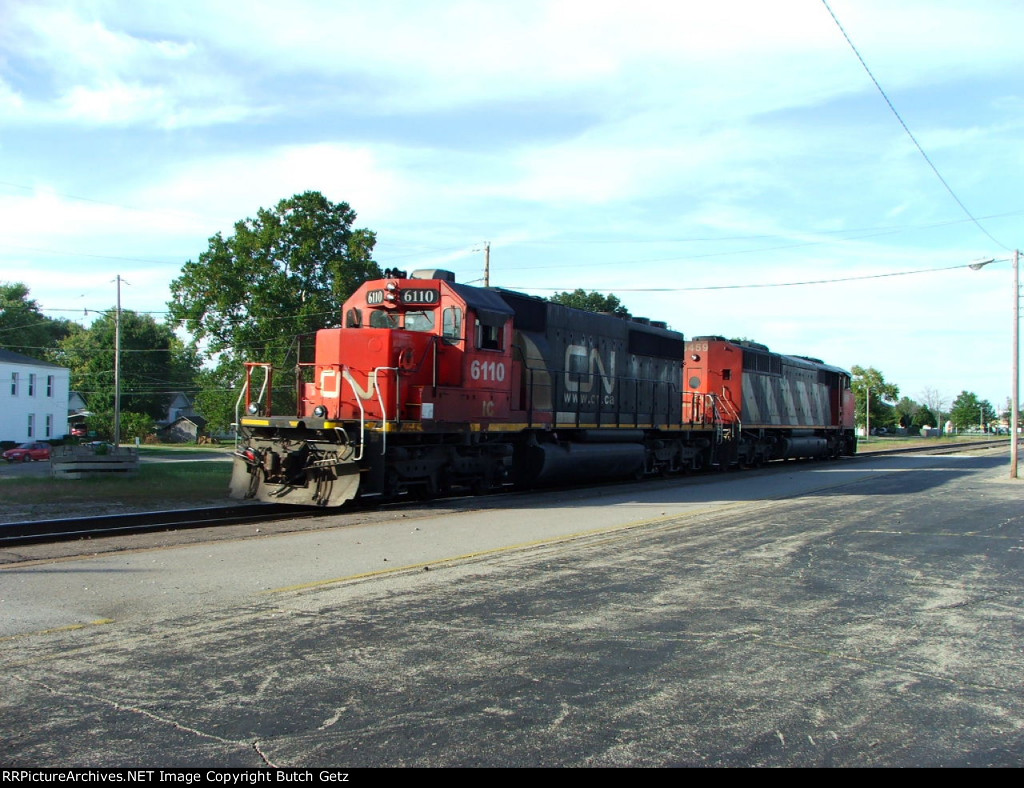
430	385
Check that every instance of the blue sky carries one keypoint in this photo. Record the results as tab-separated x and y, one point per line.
699	160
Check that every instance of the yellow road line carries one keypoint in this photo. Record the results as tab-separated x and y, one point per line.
69	628
495	551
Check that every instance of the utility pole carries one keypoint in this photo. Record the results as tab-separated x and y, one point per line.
1015	362
1015	388
117	368
487	264
867	415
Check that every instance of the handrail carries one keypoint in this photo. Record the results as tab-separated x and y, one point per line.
362	414
238	406
246	389
380	399
731	408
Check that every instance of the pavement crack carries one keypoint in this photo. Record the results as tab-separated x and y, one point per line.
263	755
135	710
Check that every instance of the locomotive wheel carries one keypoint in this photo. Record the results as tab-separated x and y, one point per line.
392	487
427	490
481	485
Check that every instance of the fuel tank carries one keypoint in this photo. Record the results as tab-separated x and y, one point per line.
562	463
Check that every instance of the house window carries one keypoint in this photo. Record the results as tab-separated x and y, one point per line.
49	425
49	385
32	384
14	384
31	425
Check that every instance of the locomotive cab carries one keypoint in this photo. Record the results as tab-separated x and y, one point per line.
416	350
416	354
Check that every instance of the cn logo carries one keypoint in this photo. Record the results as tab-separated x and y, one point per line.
582	366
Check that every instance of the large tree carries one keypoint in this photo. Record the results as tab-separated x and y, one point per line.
591	302
284	274
970	413
908	412
154	364
869	385
936	403
23	328
217	398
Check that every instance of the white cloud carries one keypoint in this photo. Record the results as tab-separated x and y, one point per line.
592	144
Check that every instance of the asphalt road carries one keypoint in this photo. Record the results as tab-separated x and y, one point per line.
846	614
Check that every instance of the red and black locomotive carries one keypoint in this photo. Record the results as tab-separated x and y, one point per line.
431	385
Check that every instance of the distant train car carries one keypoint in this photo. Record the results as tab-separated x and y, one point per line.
774	406
431	385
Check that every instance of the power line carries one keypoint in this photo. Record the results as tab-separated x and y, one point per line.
763	284
907	129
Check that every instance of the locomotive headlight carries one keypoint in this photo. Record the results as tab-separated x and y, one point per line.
391	286
319	411
390	296
254	409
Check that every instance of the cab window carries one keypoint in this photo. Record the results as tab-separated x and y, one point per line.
354	318
488	337
452	323
381	319
419	321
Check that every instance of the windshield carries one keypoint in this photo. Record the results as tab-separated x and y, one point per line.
381	319
413	321
419	321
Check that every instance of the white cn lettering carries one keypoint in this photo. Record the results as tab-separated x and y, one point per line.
330	384
593	363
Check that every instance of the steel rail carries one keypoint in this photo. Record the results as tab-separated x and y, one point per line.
142	522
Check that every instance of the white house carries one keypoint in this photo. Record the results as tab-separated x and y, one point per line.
180	407
33	398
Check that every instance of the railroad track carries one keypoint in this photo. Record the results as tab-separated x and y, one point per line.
143	522
37	531
941	448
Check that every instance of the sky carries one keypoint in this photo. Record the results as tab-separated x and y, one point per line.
736	168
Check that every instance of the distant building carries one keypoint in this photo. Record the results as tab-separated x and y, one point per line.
182	424
185	429
78	412
180	406
33	398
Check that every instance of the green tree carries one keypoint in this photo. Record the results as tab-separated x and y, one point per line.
591	302
24	329
925	418
217	395
154	364
133	425
284	274
970	413
936	404
906	411
869	385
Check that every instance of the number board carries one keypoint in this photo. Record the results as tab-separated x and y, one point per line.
420	296
413	297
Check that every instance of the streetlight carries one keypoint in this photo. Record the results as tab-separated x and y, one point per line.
1015	388
867	416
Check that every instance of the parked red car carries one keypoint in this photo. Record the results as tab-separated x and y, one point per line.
28	452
